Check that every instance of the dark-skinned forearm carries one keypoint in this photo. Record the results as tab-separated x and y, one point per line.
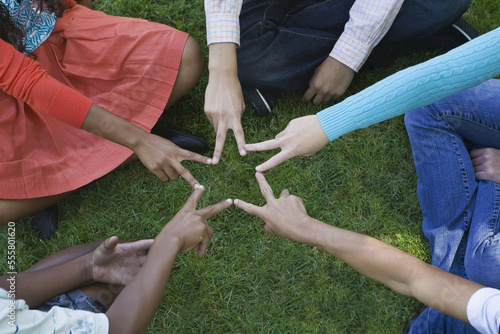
65	255
136	305
39	286
116	129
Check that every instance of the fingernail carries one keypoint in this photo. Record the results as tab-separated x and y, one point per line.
209	161
236	201
215	161
243	152
198	186
258	169
258	173
230	201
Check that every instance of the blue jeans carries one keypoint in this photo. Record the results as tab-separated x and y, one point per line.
74	300
460	214
282	44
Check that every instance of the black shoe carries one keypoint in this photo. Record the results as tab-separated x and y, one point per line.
456	34
182	139
44	222
262	101
418	310
465	29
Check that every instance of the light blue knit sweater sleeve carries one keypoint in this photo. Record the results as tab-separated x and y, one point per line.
417	86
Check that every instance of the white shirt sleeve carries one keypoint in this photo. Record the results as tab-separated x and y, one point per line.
483	310
16	317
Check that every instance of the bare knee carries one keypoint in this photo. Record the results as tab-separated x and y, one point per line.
193	60
5	217
191	67
3	220
190	70
14	209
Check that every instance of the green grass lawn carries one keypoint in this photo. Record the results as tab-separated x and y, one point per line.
249	281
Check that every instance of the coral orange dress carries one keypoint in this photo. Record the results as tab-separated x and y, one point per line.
127	66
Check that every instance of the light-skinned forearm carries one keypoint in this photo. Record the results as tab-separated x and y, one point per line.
394	268
136	305
222	59
463	67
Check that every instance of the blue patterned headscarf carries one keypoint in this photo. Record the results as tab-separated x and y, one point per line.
37	23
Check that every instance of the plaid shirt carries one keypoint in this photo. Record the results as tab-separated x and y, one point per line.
223	24
368	23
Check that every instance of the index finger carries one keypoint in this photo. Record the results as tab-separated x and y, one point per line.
193	200
110	243
248	207
214	209
186	175
274	161
239	135
265	188
219	144
267	145
192	156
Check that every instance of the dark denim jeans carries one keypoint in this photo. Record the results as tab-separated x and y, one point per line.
282	43
460	214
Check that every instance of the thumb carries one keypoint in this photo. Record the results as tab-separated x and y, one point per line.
110	244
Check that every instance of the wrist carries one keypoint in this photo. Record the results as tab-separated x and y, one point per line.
87	268
162	254
116	129
314	232
169	244
320	132
303	230
136	136
222	59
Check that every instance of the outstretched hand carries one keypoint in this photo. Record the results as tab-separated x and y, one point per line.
303	136
224	108
118	263
189	227
159	155
224	104
163	158
285	217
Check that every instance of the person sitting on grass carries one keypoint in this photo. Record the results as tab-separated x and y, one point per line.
461	68
263	47
286	217
80	93
456	149
105	286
